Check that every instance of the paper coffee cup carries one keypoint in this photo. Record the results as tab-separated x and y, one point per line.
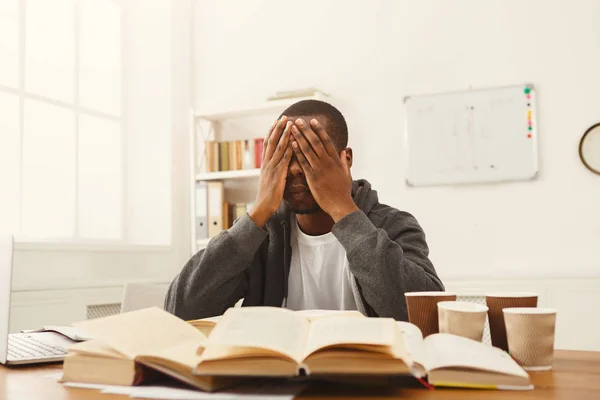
530	335
498	301
422	309
462	318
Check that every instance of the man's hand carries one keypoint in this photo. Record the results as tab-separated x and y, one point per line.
326	171
273	173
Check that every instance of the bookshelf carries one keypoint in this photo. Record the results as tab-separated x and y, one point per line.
206	125
222	175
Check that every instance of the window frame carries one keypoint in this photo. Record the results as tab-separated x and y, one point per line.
75	242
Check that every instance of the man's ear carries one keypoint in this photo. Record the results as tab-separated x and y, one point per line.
348	156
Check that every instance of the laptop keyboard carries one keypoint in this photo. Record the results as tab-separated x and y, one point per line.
23	347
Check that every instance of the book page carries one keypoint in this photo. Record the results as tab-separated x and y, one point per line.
445	350
354	332
275	329
206	321
142	331
94	347
312	315
184	353
415	346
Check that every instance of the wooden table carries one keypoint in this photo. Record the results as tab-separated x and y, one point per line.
576	375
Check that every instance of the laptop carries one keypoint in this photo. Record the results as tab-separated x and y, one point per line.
23	348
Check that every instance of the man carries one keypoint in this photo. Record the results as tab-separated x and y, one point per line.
329	244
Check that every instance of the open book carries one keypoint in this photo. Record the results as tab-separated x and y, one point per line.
151	337
455	361
264	341
206	325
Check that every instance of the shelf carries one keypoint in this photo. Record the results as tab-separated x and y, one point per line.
274	106
223	175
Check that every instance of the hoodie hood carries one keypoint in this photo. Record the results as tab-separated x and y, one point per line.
364	197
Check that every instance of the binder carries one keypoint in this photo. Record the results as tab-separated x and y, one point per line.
215	208
248	154
201	210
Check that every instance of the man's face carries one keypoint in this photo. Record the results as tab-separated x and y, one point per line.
297	194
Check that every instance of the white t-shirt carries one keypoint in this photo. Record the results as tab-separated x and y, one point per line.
319	275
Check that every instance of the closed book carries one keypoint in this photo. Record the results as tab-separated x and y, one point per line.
240	209
226	215
210	155
239	154
232	164
216	161
258	152
224	146
248	155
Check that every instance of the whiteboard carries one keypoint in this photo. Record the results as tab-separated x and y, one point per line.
472	136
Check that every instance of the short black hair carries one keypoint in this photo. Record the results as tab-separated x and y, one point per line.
337	128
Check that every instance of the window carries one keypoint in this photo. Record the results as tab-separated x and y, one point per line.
62	155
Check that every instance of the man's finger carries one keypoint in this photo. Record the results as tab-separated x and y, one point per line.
311	137
324	137
267	138
285	160
303	146
274	139
283	144
301	158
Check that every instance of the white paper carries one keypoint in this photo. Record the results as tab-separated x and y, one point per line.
55	376
68	331
258	390
253	391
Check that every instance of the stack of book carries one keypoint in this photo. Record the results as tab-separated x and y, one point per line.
275	342
234	155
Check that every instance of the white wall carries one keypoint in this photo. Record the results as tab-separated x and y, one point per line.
370	54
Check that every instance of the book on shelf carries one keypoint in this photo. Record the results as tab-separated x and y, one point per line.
258	152
223	156
233	155
262	341
233	211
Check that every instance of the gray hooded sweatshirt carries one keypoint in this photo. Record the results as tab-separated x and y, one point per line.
386	250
